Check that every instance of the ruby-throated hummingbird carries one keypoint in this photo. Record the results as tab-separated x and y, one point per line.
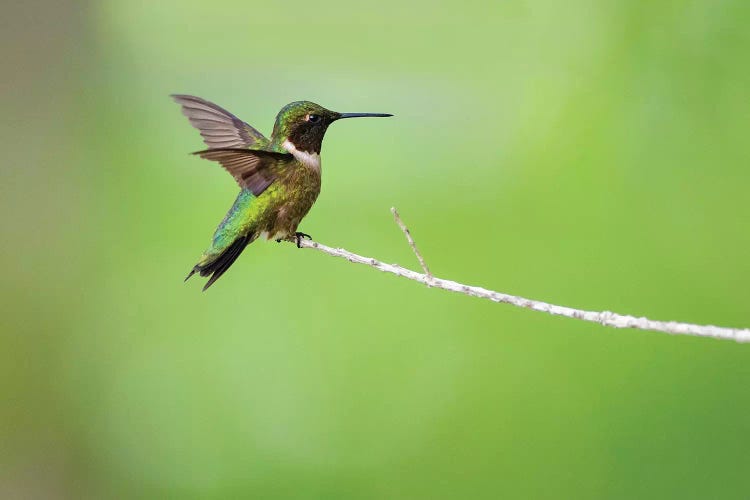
279	177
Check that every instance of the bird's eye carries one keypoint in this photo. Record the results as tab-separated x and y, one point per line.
313	118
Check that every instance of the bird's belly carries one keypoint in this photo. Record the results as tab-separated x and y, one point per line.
287	218
287	211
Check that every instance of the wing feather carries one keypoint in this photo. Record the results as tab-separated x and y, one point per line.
252	169
219	127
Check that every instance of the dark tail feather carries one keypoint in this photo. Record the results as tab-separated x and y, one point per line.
220	265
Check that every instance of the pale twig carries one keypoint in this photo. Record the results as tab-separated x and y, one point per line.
411	241
605	318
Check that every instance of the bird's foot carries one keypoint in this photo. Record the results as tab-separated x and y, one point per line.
298	237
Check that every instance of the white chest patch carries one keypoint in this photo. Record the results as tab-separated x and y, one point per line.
312	160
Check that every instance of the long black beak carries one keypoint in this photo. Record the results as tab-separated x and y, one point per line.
360	115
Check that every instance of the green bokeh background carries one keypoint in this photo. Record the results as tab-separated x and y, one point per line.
591	154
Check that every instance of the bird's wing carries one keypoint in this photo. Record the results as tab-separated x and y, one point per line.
219	127
252	169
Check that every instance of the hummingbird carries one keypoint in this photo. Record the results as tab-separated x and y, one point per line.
279	178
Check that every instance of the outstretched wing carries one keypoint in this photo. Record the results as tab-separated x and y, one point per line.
219	127
252	169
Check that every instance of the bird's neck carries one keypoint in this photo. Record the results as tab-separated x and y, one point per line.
308	158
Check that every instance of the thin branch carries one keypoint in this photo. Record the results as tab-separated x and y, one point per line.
605	318
410	240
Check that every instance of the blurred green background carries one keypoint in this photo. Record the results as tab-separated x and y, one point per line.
591	154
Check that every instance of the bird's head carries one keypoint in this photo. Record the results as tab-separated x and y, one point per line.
304	123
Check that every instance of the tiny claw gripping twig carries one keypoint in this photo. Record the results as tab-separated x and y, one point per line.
298	238
412	244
